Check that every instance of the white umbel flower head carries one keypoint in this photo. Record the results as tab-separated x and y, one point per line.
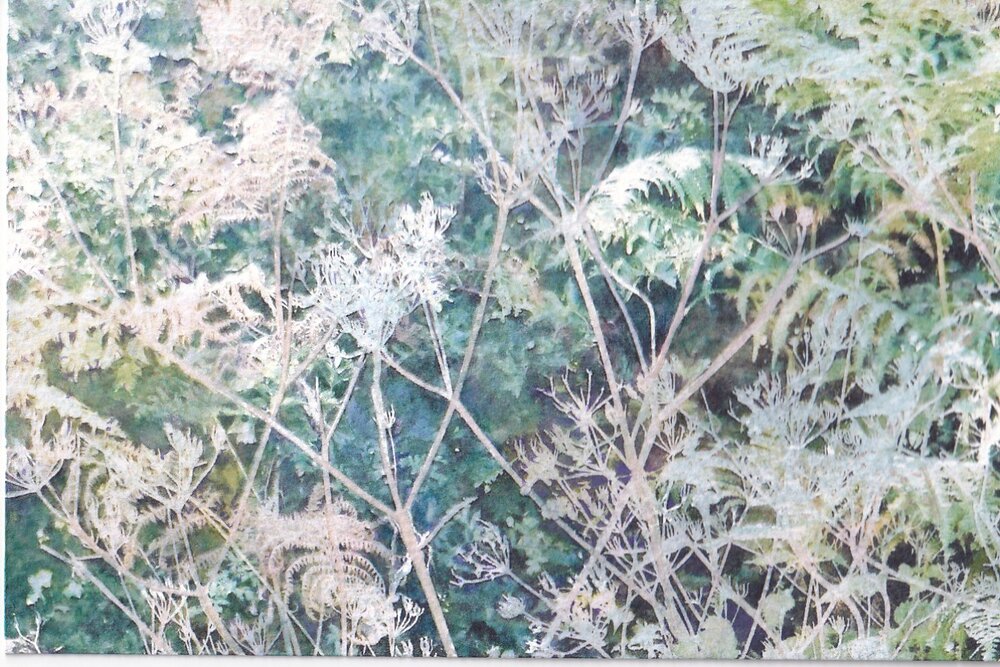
367	287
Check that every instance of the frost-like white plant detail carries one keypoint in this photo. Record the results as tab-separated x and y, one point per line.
718	40
622	329
276	161
365	288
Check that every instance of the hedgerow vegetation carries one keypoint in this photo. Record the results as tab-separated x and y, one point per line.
462	327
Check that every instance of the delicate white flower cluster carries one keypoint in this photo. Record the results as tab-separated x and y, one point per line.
366	288
717	42
271	47
639	23
31	465
484	559
109	25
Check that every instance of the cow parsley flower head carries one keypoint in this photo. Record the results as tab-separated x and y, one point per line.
717	42
484	559
510	607
418	245
367	286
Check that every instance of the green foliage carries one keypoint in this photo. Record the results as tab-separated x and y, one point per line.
597	329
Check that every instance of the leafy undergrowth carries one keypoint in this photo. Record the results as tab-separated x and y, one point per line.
595	329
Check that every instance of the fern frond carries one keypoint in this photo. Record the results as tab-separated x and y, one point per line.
277	160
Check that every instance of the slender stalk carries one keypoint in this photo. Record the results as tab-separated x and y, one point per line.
941	274
612	279
576	264
402	517
79	566
121	196
326	436
602	345
637	588
470	347
212	613
412	544
279	428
